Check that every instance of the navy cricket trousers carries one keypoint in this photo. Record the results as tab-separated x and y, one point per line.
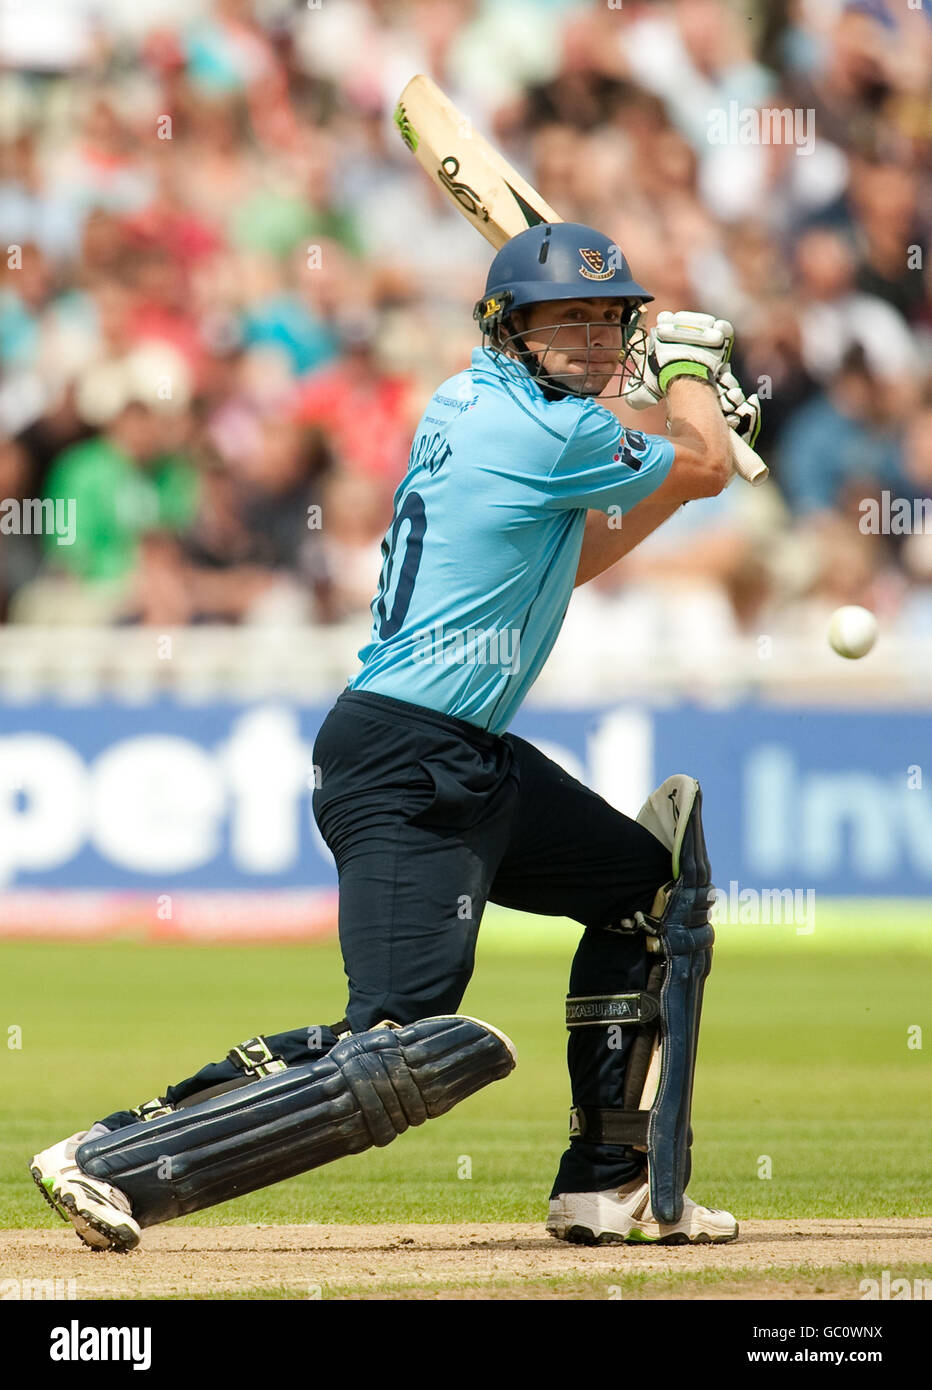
428	818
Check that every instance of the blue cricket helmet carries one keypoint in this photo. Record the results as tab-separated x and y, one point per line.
555	260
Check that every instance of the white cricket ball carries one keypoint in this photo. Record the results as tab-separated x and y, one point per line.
852	631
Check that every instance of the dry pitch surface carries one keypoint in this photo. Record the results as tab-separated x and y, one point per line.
771	1259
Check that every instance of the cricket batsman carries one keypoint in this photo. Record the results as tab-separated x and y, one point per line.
431	808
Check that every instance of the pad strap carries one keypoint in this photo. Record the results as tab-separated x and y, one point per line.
255	1059
152	1109
594	1010
609	1126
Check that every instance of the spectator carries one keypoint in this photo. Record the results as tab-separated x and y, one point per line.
894	245
121	485
20	555
841	437
220	322
362	406
916	544
282	491
834	317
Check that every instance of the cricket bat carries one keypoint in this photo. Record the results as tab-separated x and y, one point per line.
490	193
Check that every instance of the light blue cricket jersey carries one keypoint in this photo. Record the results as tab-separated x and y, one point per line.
479	562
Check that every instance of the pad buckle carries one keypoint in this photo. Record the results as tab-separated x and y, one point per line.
153	1109
255	1058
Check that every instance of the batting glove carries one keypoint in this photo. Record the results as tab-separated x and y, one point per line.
688	344
742	413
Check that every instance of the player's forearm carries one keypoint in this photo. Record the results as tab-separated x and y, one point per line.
700	438
701	468
605	541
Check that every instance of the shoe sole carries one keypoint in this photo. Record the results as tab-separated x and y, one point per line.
122	1239
582	1235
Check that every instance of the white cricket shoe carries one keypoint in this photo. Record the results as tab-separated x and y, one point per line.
101	1214
623	1215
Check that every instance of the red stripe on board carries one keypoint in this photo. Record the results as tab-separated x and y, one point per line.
277	915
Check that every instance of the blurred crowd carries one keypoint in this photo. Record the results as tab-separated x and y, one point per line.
228	290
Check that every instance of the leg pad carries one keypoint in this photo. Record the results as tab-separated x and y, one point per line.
369	1088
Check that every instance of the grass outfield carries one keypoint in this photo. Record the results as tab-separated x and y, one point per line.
804	1061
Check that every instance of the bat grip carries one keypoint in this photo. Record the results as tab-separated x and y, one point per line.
749	465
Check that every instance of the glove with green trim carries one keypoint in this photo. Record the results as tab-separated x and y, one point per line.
742	413
689	344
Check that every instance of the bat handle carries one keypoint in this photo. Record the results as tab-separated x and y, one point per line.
750	465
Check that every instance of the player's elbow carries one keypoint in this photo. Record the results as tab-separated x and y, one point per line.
719	465
702	470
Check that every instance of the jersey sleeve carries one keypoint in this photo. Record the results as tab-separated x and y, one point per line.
603	465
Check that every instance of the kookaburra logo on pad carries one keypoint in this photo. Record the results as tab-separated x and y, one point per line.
594	265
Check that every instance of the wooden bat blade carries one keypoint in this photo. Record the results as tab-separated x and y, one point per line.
465	167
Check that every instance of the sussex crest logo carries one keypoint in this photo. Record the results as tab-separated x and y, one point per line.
593	267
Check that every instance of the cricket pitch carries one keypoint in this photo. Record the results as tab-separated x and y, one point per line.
830	1259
